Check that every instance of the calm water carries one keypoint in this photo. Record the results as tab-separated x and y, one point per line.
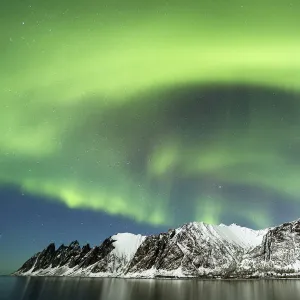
122	289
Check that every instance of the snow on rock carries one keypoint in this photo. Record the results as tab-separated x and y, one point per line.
126	244
242	236
194	250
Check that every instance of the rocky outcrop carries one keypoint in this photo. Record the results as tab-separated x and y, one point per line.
277	256
190	251
193	250
111	257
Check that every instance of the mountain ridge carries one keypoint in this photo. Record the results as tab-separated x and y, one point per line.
195	249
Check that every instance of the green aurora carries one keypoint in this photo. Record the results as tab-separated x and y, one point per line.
98	106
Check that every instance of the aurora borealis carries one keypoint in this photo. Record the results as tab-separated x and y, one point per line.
160	112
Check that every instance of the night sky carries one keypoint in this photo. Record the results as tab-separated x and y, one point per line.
139	116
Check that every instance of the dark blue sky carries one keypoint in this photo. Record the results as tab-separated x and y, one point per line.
27	225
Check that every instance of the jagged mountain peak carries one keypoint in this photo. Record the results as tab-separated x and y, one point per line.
195	249
74	244
62	246
50	248
86	247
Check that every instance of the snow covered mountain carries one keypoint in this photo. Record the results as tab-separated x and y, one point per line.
193	250
111	258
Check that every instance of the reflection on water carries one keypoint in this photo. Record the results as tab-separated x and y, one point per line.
131	289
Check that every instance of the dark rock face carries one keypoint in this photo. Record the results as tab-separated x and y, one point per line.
278	254
72	256
109	262
28	265
157	251
75	260
65	254
97	254
45	258
193	250
188	250
49	257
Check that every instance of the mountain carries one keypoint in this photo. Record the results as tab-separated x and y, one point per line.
109	259
193	250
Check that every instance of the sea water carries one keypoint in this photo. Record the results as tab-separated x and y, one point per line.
51	288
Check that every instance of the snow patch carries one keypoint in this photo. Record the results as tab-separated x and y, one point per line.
241	236
126	244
